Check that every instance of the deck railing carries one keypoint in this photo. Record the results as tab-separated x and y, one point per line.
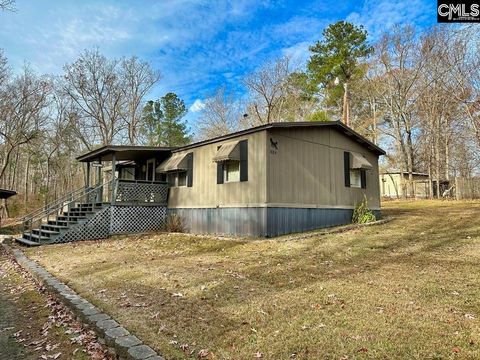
141	191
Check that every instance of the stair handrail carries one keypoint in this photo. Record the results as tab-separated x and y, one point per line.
46	214
53	204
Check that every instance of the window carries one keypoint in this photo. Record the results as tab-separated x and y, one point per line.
127	173
161	177
355	178
150	172
171	179
354	169
182	178
232	171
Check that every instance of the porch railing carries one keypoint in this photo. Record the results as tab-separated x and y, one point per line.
140	191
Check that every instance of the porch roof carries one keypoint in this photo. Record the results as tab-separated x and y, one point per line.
5	194
123	152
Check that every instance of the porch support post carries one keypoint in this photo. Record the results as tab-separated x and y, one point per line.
114	181
99	181
87	182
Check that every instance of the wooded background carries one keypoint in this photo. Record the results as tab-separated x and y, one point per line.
415	93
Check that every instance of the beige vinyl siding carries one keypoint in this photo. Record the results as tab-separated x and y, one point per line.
205	191
307	170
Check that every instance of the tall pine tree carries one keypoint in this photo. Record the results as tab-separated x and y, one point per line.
336	60
163	123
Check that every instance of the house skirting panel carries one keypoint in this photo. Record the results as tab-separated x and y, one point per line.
261	221
250	221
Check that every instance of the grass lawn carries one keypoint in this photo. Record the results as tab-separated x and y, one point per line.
406	289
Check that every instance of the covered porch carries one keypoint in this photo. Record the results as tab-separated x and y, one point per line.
125	174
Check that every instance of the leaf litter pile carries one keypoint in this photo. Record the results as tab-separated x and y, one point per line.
39	326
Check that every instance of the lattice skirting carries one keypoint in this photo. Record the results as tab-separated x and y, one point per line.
137	219
117	219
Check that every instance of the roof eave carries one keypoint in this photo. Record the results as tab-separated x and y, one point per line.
109	149
347	131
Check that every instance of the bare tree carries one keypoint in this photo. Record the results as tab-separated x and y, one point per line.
7	5
221	115
404	60
464	59
22	106
268	88
138	79
95	88
23	101
4	70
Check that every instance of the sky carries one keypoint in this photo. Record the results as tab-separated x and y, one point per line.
197	45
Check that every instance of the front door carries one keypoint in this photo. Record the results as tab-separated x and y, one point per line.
151	170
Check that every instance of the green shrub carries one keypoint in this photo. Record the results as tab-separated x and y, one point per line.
362	214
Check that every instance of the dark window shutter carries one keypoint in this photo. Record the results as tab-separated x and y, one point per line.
220	172
346	168
189	169
363	178
244	160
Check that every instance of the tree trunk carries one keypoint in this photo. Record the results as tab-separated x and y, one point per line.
437	156
27	177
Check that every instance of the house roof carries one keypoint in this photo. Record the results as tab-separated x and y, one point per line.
337	125
122	152
5	194
394	172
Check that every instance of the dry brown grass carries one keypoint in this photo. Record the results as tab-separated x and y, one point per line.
406	289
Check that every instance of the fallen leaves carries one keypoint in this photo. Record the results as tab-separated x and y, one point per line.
46	331
203	353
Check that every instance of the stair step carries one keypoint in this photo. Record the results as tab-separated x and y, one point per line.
82	211
26	242
88	204
52	227
70	218
60	223
30	236
78	214
39	232
50	232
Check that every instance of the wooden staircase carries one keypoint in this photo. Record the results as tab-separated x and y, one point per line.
51	228
96	213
